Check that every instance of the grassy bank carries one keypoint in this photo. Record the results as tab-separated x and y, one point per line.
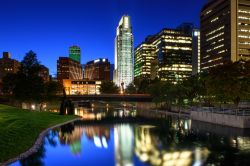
20	128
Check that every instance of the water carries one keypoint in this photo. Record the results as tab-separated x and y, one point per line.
128	141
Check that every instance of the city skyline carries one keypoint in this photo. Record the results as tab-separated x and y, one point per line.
50	34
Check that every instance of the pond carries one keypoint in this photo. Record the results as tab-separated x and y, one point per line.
126	140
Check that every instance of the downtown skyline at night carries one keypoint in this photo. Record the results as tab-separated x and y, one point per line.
124	82
49	28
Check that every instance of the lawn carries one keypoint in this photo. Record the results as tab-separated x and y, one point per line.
20	128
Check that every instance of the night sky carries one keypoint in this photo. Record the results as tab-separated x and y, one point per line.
49	27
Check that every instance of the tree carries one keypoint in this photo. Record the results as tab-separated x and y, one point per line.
156	90
229	82
26	85
142	85
9	83
109	87
130	89
52	88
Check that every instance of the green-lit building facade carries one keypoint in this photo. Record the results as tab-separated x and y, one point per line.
75	53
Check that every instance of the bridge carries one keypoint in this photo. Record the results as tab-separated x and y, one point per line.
113	97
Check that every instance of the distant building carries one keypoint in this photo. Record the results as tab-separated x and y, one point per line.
123	73
80	87
112	67
196	55
225	32
68	68
44	73
145	53
75	53
7	65
169	52
98	69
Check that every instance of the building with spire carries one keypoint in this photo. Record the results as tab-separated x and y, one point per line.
123	69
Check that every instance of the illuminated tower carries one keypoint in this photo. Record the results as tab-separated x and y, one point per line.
123	73
75	53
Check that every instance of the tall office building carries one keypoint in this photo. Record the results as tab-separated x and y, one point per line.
98	69
68	68
145	53
196	55
75	53
225	32
169	52
123	73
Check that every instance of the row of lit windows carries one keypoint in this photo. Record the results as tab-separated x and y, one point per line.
244	18
244	36
245	43
215	19
178	48
177	41
244	30
216	30
8	69
213	37
244	11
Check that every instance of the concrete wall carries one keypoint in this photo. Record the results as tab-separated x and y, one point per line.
222	119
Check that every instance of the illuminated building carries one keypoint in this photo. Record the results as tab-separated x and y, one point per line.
7	65
173	49
145	53
225	32
68	68
196	61
123	72
80	87
44	73
75	53
98	69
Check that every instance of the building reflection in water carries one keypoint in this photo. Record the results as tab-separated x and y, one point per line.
124	143
71	135
89	113
148	149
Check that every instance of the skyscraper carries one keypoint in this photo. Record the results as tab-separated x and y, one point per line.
123	73
225	32
145	53
75	53
169	52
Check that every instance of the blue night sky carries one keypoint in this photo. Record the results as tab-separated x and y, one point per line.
49	27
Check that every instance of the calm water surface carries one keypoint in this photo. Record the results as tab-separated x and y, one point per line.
126	141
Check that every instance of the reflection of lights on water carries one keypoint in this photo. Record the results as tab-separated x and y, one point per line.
97	142
121	113
147	150
100	143
104	142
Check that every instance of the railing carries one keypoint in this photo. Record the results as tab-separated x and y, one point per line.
227	111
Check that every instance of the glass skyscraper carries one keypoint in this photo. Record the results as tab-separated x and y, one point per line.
123	73
75	53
